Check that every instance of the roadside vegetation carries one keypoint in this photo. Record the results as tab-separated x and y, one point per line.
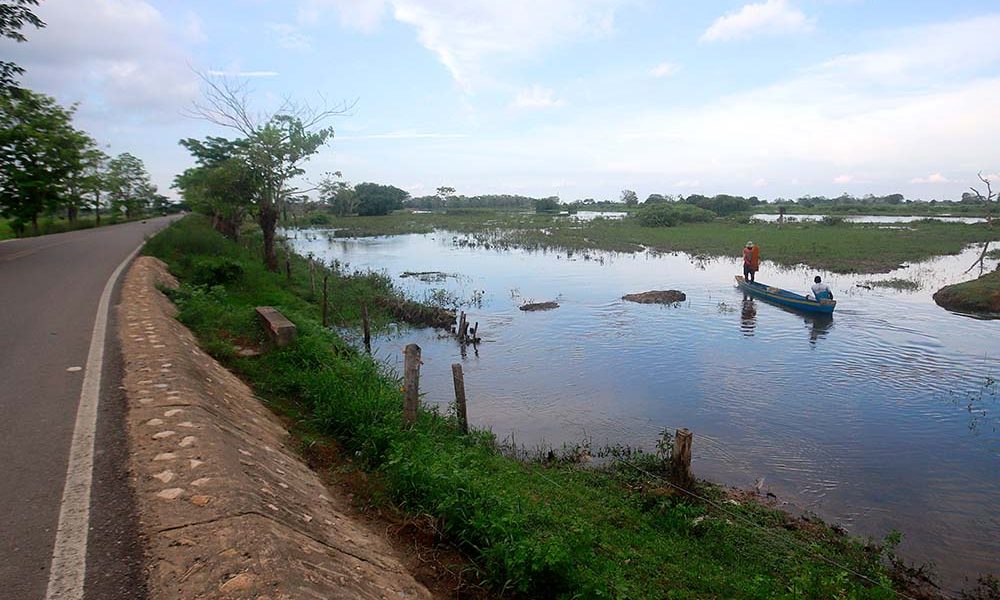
538	529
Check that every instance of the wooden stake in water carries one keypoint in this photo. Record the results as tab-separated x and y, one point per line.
411	382
367	328
459	377
326	277
475	333
461	327
681	458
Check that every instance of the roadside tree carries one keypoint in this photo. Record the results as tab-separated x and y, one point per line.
275	147
38	148
14	15
128	185
630	198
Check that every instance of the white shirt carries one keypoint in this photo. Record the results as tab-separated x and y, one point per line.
820	287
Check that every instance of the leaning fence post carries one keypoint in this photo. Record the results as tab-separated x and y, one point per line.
411	382
681	458
367	328
326	277
459	377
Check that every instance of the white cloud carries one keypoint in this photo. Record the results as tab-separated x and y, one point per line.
687	183
113	53
193	29
932	178
403	135
664	69
289	37
537	97
363	15
844	179
770	17
760	182
247	74
467	36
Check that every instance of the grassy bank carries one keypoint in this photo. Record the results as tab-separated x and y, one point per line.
979	297
842	247
534	530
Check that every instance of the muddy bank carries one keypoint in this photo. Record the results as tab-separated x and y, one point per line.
980	297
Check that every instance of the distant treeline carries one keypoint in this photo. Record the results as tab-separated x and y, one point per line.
485	201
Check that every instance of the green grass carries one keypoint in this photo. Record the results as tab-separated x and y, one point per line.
842	248
59	224
895	283
979	296
534	530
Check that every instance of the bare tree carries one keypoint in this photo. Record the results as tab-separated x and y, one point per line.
277	143
988	198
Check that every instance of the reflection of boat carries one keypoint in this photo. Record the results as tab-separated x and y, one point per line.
785	298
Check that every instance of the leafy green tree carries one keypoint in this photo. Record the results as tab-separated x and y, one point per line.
14	15
222	186
630	198
377	199
276	146
128	185
38	148
338	195
550	204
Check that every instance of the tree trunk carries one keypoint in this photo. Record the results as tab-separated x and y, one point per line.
34	223
268	220
71	212
97	207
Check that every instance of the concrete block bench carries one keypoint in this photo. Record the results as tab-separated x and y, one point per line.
278	327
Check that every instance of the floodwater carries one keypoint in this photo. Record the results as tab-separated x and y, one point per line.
883	417
770	218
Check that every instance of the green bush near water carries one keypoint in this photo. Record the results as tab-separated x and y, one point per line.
534	530
668	215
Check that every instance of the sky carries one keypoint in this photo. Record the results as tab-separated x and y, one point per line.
574	98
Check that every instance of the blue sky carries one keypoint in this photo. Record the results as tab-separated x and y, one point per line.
576	98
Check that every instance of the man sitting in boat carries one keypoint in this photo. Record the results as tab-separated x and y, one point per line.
820	290
751	261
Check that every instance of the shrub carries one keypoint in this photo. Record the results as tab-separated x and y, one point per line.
215	270
319	219
668	215
832	220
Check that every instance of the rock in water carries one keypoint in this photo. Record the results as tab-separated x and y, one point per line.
532	306
657	297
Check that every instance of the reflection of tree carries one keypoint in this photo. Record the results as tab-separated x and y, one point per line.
748	316
976	404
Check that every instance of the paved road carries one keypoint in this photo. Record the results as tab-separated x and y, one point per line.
50	287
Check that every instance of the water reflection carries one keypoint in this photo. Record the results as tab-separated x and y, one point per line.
748	315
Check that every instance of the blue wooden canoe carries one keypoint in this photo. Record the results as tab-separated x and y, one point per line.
785	298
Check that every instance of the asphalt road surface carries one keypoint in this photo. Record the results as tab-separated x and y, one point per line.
50	288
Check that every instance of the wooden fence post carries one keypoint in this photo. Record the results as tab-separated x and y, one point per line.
681	458
288	267
459	377
326	277
411	382
367	328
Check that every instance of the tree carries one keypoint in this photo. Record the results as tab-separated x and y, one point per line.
547	205
338	195
987	199
446	194
377	199
630	198
276	145
222	186
85	160
37	151
128	185
14	15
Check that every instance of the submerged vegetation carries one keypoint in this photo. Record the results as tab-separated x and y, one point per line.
840	246
544	529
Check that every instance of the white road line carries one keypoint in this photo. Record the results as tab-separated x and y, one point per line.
69	555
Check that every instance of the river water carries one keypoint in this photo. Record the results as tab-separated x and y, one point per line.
883	417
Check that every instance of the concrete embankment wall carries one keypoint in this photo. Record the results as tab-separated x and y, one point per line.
228	509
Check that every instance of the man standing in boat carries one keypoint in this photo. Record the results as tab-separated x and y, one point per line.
751	261
821	291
